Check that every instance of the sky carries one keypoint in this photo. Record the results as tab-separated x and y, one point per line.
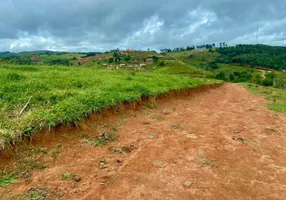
101	25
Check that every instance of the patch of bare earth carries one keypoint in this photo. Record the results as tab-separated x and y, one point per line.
220	144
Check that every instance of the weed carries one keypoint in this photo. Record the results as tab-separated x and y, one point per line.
205	161
56	151
32	163
114	129
37	193
124	149
41	150
26	161
5	180
10	197
68	176
84	135
157	117
150	106
104	139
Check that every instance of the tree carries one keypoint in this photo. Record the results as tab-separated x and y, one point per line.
272	57
212	66
128	58
221	76
231	77
116	54
110	60
155	59
267	82
161	63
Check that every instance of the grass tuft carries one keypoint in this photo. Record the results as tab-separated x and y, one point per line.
6	180
68	176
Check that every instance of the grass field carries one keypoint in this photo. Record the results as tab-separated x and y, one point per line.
276	97
197	61
179	67
194	57
37	97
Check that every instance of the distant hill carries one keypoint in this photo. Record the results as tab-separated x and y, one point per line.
272	57
34	52
4	53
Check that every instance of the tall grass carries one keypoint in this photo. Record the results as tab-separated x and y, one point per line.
61	95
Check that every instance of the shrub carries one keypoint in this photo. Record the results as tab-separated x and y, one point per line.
267	82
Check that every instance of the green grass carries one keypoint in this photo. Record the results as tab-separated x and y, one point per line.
102	140
62	95
276	97
68	176
6	180
194	57
179	67
49	57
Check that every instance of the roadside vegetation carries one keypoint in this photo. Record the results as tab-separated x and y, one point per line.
40	97
276	97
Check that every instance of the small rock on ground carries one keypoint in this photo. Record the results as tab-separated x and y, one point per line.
188	183
193	137
77	179
102	165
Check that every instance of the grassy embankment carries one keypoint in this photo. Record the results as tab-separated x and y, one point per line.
276	97
39	97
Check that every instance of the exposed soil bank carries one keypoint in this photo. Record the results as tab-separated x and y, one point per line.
97	117
219	144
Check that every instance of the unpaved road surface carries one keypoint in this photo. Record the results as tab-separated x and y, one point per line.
220	144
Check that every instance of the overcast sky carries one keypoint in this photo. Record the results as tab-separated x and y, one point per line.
99	25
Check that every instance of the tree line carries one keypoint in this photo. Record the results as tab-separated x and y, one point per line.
193	47
273	57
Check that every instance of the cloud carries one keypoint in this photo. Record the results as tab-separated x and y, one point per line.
99	25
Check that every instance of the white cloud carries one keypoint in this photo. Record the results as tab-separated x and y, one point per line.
198	18
145	35
100	25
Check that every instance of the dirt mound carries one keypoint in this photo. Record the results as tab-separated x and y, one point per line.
220	144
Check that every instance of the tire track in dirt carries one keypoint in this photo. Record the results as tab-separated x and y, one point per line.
224	142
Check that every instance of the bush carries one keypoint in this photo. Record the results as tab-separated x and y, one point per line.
231	77
212	66
267	82
280	83
161	63
221	76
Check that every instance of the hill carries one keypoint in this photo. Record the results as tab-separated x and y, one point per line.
4	53
273	57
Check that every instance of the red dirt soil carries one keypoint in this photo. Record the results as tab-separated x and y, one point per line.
35	58
220	144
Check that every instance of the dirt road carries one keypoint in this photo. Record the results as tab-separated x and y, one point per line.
220	144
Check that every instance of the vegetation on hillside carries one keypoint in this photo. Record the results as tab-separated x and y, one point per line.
272	57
